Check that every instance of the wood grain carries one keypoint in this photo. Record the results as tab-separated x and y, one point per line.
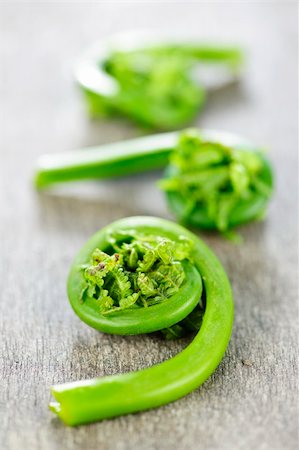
250	401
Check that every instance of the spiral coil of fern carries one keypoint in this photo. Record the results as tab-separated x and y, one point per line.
150	80
213	180
101	398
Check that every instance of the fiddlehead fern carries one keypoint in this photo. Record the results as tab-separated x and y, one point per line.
210	184
213	179
150	82
161	271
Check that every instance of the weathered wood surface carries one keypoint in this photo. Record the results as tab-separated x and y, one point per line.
250	401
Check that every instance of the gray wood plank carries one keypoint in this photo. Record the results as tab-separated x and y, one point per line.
251	400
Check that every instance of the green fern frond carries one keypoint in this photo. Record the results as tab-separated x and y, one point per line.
119	286
165	251
129	301
147	285
149	259
143	271
104	301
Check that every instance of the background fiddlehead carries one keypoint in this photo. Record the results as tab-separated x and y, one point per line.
151	82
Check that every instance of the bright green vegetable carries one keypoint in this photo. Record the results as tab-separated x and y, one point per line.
213	180
213	185
153	84
106	161
156	274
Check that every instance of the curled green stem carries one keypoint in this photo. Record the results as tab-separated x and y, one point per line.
150	82
102	398
213	179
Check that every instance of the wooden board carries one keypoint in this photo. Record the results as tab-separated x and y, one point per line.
250	401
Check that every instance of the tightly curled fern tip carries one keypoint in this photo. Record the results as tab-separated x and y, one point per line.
153	84
139	271
137	276
214	179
